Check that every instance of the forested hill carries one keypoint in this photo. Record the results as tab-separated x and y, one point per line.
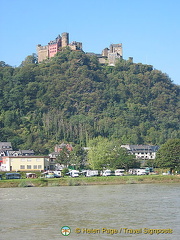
73	98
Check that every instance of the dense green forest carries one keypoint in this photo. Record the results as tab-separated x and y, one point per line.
72	98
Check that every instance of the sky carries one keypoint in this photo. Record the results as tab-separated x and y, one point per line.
149	30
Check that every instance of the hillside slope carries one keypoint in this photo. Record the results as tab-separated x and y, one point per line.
73	98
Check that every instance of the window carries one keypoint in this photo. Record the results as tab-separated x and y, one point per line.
28	166
23	160
39	166
22	166
35	166
38	159
28	160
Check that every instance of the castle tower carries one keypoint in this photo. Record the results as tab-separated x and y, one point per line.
105	52
116	48
65	39
115	52
42	52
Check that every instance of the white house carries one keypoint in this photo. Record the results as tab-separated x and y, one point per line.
142	152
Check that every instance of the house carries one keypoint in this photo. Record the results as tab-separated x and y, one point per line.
61	146
142	152
25	163
20	153
4	148
54	155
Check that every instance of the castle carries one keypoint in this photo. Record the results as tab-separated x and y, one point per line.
108	56
48	51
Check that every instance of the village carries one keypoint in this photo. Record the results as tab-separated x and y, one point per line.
13	162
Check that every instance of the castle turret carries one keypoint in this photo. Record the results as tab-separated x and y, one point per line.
65	39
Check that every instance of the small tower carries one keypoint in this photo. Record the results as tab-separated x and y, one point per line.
65	39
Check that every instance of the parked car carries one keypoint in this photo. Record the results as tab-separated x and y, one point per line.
13	175
133	171
90	173
119	172
57	174
31	175
47	174
141	172
74	173
107	173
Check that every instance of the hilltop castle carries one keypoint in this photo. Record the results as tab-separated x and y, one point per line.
48	51
108	56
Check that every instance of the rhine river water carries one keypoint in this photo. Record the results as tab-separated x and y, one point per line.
129	210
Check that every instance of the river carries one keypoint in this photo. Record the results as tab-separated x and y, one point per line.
127	211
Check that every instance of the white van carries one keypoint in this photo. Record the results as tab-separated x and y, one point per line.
91	173
119	172
141	172
74	173
107	173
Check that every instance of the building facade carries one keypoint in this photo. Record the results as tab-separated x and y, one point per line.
25	163
142	152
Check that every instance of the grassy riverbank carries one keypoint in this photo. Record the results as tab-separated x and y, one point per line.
111	180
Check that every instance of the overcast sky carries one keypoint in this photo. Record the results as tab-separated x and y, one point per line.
148	29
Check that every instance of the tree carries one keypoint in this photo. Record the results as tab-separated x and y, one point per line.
63	157
104	153
78	156
168	156
31	59
122	159
98	153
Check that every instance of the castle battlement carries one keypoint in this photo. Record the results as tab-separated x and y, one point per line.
39	47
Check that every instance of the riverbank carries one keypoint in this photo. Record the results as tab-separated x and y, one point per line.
80	181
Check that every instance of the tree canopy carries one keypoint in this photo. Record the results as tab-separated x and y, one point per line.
104	153
168	156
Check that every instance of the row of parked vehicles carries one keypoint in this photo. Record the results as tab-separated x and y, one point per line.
76	173
108	172
95	173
